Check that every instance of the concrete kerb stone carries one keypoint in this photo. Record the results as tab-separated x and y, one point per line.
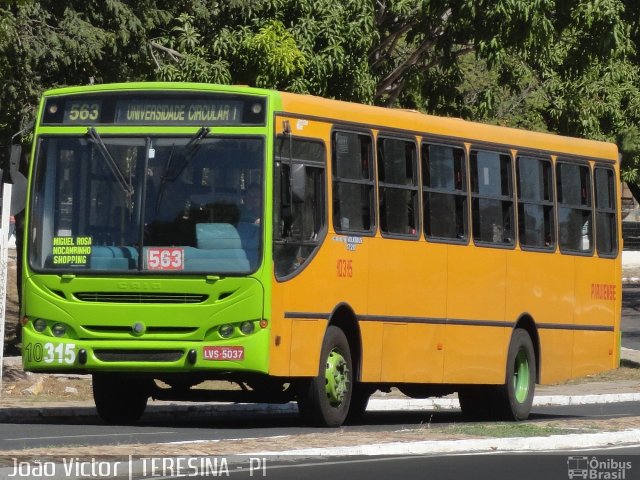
570	442
630	358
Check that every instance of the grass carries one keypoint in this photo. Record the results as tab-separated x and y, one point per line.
505	430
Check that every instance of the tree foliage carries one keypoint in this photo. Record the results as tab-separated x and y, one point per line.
566	66
47	43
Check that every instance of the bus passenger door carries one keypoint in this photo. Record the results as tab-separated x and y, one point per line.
299	305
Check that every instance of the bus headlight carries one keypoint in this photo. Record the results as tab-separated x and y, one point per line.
226	330
247	327
58	330
39	325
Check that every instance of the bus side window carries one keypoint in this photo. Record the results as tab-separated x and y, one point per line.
606	233
299	215
398	187
575	216
353	184
492	195
536	219
444	185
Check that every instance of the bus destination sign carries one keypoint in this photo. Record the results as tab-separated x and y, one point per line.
155	109
154	112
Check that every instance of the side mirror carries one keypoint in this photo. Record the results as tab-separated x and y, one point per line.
298	182
19	190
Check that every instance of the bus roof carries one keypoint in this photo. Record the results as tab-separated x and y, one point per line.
162	86
380	117
447	127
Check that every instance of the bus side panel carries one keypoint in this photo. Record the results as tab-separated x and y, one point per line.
408	280
541	286
424	346
596	292
306	342
395	358
617	308
555	353
371	367
476	294
465	363
280	344
302	306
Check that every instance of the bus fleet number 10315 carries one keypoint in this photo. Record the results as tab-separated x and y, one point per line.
49	352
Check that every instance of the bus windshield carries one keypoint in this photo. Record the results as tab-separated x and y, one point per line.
154	204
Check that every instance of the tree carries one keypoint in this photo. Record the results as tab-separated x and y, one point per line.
308	46
44	44
566	66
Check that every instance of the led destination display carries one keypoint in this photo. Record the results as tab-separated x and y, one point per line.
155	109
177	111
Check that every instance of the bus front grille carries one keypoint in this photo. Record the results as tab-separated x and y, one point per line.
113	355
121	297
114	329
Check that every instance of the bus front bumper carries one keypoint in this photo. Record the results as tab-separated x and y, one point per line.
46	354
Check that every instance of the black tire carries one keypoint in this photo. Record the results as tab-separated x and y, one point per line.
319	403
120	401
359	401
478	401
515	397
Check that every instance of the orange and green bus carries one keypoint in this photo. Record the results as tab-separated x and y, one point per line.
183	236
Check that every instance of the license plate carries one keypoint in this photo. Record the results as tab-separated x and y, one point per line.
223	353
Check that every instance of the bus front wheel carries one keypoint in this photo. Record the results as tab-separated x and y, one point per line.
324	400
119	401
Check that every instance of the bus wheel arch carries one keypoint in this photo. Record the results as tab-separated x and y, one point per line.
346	320
527	323
324	399
334	395
513	400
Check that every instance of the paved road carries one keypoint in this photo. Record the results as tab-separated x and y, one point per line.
222	427
624	462
619	463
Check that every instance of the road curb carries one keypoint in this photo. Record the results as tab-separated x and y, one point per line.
572	442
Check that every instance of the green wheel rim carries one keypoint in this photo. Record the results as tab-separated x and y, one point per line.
337	378
521	377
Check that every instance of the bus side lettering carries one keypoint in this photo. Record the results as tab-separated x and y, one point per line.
345	268
603	291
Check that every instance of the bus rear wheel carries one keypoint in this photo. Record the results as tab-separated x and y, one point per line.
515	397
120	401
324	400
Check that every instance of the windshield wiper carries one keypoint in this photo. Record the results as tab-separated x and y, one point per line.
190	149
111	163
